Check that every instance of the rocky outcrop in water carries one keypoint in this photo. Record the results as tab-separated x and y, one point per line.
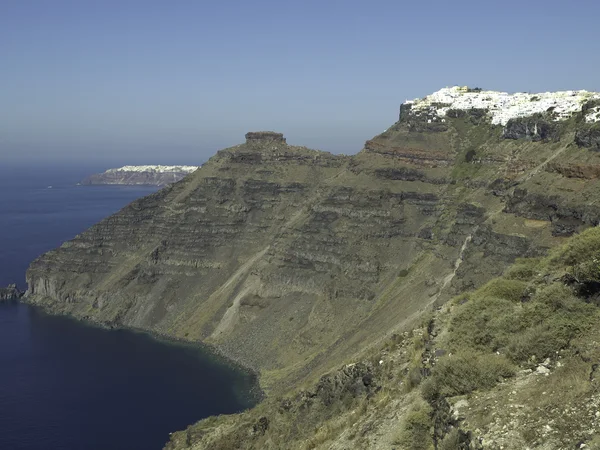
11	292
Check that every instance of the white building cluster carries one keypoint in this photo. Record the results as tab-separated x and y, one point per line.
155	169
502	106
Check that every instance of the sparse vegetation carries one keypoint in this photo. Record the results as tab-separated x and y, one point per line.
531	314
511	290
518	320
579	249
524	269
451	441
461	373
415	430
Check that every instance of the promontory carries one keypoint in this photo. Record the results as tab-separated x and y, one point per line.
438	289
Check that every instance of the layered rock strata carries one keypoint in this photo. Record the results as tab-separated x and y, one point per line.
290	260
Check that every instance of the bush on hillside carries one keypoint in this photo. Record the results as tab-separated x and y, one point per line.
466	372
415	430
524	269
451	441
579	249
512	290
519	319
483	324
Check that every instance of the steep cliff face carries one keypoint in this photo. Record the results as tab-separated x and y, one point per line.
290	260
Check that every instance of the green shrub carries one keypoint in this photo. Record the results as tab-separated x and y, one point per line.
580	248
556	296
483	324
451	441
512	290
430	389
498	317
587	270
524	269
549	322
465	372
415	430
539	341
413	378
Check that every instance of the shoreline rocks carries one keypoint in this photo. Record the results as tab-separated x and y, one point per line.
11	292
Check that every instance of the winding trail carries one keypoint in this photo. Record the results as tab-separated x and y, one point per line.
448	279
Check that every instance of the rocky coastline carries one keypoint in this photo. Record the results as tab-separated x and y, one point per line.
10	293
256	393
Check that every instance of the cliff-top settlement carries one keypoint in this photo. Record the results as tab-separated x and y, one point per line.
157	169
502	106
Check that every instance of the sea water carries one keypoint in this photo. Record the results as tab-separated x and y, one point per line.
67	385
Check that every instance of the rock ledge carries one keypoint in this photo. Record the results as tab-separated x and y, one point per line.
264	137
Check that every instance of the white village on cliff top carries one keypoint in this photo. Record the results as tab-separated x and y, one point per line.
502	106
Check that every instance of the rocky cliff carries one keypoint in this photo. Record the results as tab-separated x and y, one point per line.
292	260
11	292
511	365
141	175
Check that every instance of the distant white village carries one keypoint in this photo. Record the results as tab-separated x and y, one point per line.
503	106
155	169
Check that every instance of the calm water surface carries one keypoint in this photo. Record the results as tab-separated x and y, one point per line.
67	385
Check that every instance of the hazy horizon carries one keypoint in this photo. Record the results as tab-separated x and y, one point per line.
148	82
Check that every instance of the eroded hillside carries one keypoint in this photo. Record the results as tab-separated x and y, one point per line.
289	259
294	261
512	365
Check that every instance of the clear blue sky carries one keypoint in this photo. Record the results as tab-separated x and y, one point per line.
173	81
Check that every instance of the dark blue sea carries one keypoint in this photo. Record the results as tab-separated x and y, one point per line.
67	385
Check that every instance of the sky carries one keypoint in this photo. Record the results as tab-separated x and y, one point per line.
171	82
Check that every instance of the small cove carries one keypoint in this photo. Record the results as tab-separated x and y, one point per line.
69	385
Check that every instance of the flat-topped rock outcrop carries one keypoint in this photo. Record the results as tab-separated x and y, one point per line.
264	137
